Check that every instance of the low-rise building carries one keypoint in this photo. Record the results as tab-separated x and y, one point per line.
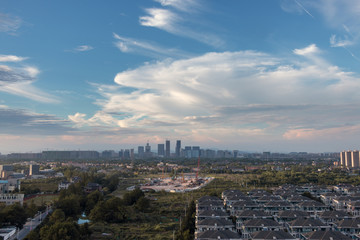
9	199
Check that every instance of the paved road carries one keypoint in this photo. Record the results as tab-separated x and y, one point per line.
30	225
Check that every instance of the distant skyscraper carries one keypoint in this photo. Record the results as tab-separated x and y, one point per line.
161	150
132	154
127	154
141	151
187	151
348	158
342	159
148	153
178	148
167	148
195	152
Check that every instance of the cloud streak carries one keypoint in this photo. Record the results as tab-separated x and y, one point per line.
83	48
174	20
9	23
19	81
11	58
129	45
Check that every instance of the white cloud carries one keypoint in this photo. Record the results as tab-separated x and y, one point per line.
182	5
83	48
127	45
19	81
11	58
159	18
9	24
309	50
247	93
174	22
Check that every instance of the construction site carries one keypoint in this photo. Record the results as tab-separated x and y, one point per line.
184	183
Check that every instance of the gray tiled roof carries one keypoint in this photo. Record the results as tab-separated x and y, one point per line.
218	234
259	222
215	221
326	235
263	235
308	222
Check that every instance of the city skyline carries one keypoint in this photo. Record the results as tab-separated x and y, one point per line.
279	76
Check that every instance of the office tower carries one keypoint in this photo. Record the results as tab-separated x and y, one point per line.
348	159
34	169
342	159
121	153
148	153
195	152
161	150
127	154
187	151
178	148
132	155
355	160
167	148
141	151
147	148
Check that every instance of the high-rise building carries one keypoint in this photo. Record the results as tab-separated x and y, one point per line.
132	154
195	152
178	148
355	160
161	150
148	153
348	159
167	148
127	154
141	151
342	159
187	151
34	169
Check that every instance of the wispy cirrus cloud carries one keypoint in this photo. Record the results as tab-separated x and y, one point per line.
182	5
11	58
343	17
173	18
127	45
19	80
294	6
245	93
9	23
83	48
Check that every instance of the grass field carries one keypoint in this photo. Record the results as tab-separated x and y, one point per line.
43	199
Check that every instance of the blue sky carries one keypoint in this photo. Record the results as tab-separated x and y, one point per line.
258	75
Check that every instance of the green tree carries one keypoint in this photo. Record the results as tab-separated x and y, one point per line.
15	215
61	231
142	204
57	216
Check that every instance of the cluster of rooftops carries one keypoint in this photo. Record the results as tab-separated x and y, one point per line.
331	213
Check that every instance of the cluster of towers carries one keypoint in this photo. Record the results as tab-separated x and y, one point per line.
350	159
163	150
